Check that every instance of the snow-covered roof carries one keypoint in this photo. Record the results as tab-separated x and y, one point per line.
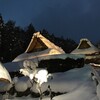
4	74
39	46
15	66
40	56
85	47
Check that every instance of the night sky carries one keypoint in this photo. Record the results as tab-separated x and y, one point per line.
69	18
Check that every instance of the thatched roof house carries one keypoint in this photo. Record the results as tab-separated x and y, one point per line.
91	52
85	47
39	46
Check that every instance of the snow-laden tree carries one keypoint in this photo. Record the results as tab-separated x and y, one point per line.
39	76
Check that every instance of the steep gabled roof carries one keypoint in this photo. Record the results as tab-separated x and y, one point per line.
85	47
39	43
39	46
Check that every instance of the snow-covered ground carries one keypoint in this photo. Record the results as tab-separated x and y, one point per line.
75	84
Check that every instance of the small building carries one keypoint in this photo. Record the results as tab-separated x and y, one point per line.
91	52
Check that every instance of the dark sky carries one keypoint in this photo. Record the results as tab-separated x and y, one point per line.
69	18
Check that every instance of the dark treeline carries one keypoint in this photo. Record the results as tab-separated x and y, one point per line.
14	40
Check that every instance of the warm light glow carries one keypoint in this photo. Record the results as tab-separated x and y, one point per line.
42	76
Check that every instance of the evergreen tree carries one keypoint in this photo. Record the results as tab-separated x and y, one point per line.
30	30
12	44
1	35
1	22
